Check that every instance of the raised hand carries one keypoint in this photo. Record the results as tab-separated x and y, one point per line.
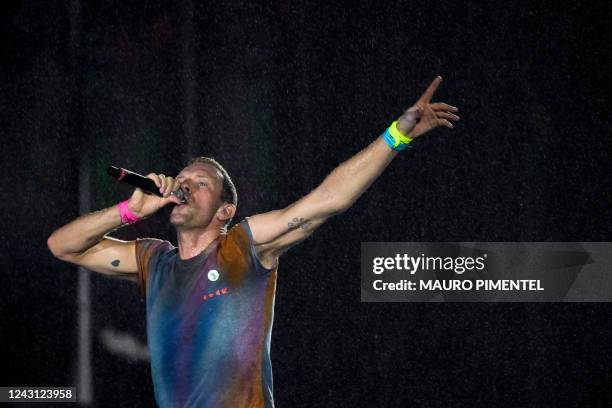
424	116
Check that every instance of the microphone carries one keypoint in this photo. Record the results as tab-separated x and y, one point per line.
137	180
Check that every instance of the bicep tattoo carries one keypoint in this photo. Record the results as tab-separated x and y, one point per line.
115	263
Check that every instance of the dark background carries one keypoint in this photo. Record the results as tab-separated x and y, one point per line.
280	93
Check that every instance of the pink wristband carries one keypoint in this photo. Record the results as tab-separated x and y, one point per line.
127	216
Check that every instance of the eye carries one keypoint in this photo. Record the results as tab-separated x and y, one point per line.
201	184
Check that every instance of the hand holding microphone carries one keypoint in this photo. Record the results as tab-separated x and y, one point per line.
162	190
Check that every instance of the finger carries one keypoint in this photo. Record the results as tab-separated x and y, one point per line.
447	115
413	113
444	122
172	185
169	186
175	199
431	89
162	178
175	185
155	178
170	199
443	106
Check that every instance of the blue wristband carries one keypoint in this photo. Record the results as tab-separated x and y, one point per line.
398	147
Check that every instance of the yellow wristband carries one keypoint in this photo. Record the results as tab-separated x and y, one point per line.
399	137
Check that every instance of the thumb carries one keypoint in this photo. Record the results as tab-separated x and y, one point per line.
171	199
413	113
409	118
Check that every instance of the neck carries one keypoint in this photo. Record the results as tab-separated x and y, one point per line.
191	242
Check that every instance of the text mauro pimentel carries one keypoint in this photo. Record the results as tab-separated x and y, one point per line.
459	265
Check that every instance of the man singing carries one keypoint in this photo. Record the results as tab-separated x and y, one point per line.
210	301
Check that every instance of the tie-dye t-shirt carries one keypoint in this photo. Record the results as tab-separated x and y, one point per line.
209	322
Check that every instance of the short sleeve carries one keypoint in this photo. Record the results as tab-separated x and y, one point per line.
242	238
146	250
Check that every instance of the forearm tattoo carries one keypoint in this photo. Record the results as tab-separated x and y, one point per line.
299	223
115	263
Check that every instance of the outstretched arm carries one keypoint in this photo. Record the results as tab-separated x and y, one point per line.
276	231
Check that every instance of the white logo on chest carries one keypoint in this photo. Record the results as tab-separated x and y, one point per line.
213	275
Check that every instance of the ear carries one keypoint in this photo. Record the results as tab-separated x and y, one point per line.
226	211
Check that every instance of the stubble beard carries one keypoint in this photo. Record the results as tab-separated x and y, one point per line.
183	219
179	218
